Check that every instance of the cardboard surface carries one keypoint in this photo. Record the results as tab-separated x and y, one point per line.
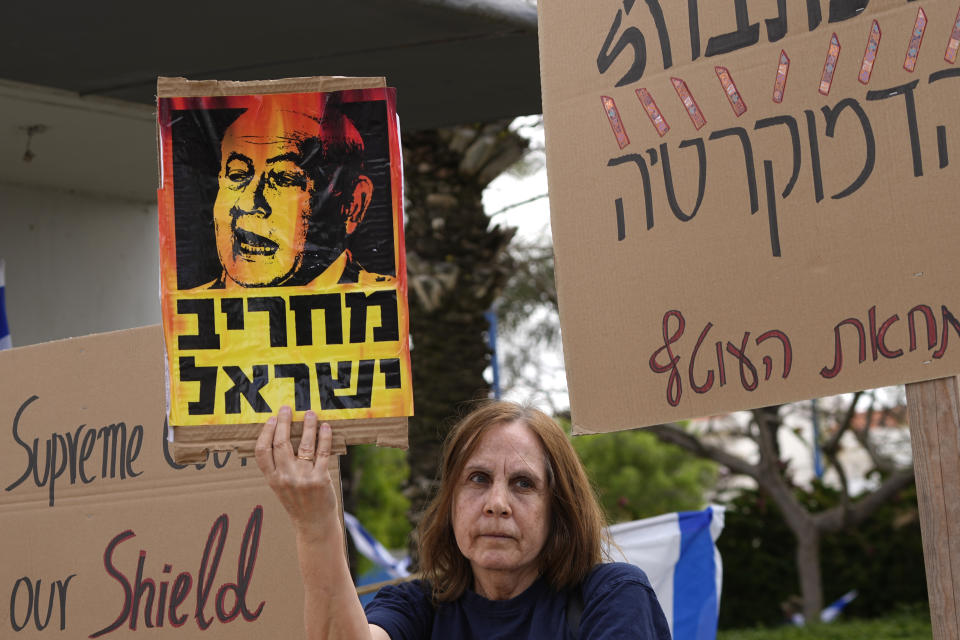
793	231
92	498
283	274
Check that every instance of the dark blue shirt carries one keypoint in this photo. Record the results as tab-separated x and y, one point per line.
618	602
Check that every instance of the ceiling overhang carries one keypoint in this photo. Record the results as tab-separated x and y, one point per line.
452	61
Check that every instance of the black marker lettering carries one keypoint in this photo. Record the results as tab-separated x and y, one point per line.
631	37
791	124
641	164
701	178
777	27
741	133
745	35
831	116
906	90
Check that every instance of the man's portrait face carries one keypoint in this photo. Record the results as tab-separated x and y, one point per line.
286	190
282	206
263	207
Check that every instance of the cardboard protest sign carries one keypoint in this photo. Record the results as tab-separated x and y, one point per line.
104	534
751	203
283	277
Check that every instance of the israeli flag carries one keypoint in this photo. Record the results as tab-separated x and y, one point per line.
834	608
370	548
5	342
678	552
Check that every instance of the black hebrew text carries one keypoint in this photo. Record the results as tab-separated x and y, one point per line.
806	138
623	52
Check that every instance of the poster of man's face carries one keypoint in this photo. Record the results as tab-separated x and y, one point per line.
282	190
283	279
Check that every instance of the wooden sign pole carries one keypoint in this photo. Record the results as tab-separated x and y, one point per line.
934	413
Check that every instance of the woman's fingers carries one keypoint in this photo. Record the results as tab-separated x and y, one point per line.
264	447
274	451
301	481
282	449
324	445
308	441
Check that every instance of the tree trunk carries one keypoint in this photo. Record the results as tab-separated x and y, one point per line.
808	570
456	267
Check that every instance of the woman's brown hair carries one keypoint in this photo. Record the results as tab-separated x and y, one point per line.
576	535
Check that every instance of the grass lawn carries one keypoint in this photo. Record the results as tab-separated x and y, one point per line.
911	624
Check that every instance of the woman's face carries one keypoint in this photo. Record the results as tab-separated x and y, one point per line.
501	504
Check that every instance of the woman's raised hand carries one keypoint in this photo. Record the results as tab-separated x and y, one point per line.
303	485
301	480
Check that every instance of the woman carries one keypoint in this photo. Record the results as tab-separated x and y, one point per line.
511	546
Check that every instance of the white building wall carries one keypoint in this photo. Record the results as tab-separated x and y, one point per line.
77	264
78	221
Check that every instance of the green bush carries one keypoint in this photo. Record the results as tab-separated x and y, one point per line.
380	473
637	476
882	558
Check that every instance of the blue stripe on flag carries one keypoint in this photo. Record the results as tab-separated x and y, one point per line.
4	327
694	579
370	547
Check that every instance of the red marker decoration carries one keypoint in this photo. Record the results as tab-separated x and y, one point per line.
870	54
653	112
780	85
954	44
730	88
613	115
693	110
830	65
916	39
